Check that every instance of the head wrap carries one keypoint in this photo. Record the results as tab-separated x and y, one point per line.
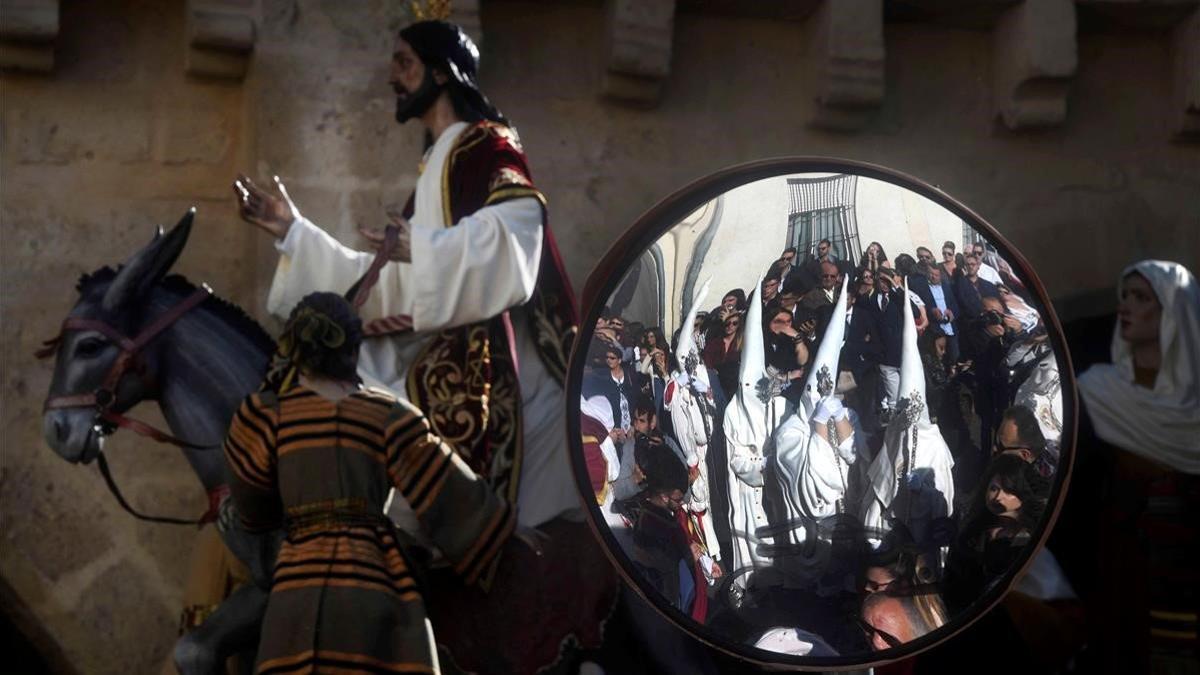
448	48
321	337
1162	423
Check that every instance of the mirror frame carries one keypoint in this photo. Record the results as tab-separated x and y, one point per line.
646	230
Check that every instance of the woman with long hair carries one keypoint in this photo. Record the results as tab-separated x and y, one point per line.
318	458
723	351
949	262
652	338
874	257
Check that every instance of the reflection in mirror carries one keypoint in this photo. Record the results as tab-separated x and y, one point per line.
821	416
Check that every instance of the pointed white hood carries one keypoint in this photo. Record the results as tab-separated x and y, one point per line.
753	367
685	348
822	378
912	403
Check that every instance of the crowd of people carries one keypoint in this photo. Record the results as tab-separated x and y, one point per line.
836	460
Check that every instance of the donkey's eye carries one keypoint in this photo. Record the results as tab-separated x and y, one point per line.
89	347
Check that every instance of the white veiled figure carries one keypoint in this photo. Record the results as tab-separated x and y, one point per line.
812	473
599	409
750	421
911	478
688	399
1160	423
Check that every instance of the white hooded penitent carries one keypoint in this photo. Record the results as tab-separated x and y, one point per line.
750	421
911	479
688	399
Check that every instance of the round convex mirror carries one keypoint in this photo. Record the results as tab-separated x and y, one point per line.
826	415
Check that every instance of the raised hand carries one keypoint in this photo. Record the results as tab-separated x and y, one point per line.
402	251
274	215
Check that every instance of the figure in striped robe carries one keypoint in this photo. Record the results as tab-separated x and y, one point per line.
344	597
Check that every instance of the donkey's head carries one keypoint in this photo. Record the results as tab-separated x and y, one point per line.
87	376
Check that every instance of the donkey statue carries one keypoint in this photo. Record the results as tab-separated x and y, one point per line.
136	334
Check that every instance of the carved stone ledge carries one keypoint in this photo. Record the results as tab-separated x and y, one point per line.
639	40
1117	15
982	14
221	36
28	29
849	59
1185	40
1035	57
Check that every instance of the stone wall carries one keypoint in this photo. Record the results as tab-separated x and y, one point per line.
126	128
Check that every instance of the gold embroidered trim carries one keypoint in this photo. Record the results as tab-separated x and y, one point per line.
514	192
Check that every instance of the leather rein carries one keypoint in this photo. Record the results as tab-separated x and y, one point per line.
104	397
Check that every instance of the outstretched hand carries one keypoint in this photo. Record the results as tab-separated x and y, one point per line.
274	215
402	251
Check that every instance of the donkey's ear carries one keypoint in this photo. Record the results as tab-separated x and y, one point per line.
149	265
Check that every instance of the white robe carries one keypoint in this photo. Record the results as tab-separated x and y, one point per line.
688	424
485	264
932	456
746	443
813	477
791	448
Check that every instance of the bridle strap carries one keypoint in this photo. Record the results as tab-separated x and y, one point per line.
145	429
214	500
388	325
170	316
391	235
128	356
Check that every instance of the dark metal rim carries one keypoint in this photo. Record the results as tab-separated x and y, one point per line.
667	213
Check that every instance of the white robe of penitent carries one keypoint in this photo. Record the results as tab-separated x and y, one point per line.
747	442
813	476
688	423
486	264
929	481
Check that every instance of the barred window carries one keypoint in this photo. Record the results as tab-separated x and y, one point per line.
823	208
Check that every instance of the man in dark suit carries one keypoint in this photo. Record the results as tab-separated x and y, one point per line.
824	294
810	272
971	289
888	303
862	353
942	306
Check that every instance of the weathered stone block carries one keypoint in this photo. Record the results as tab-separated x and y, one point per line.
1154	15
190	135
119	645
1185	39
27	32
119	134
220	37
1035	56
848	58
46	500
639	35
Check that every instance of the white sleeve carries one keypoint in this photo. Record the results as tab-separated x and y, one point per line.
820	479
313	260
485	264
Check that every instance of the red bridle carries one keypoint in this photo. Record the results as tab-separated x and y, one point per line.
104	396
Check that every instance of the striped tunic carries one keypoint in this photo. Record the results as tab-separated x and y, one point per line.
344	598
